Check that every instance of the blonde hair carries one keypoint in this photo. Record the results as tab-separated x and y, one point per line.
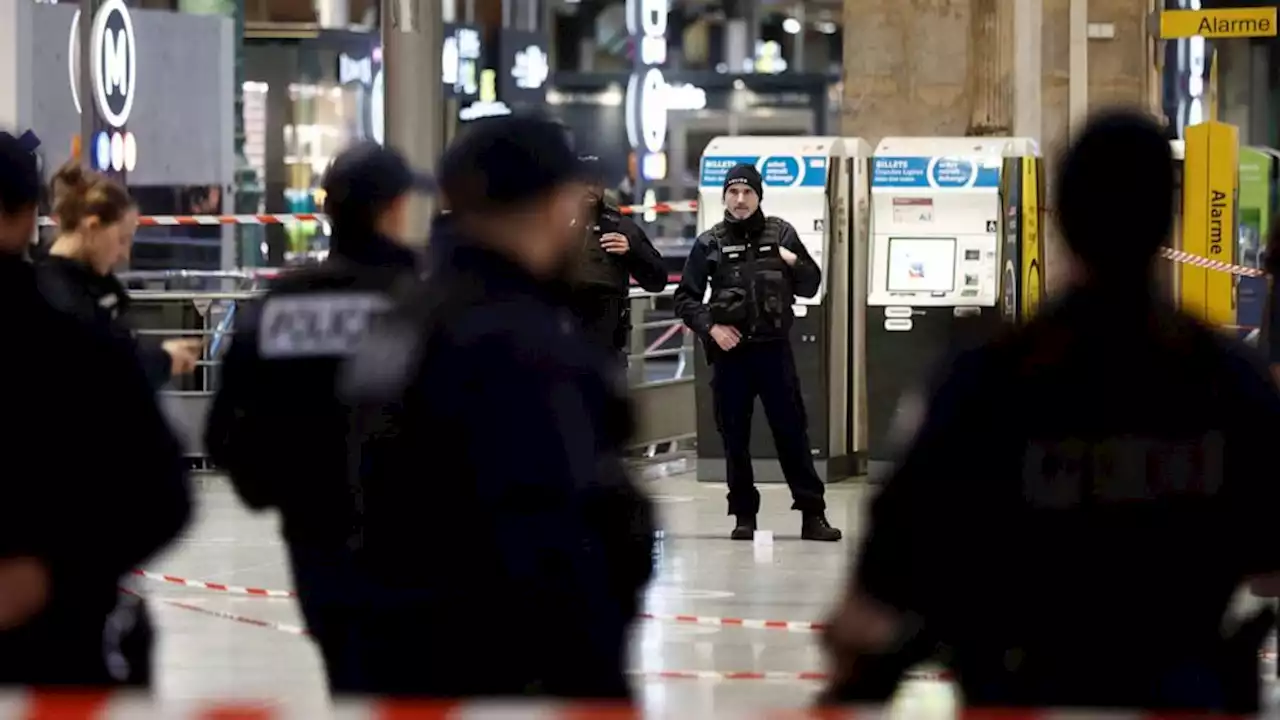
79	193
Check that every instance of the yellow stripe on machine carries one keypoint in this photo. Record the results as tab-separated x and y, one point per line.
1032	244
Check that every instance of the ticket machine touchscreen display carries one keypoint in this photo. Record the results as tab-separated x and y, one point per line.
922	265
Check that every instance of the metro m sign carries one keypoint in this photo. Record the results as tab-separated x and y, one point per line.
115	62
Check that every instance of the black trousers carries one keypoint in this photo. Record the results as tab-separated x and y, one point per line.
334	603
766	369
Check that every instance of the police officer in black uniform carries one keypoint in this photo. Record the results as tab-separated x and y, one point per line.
491	431
94	482
615	250
1121	452
276	425
757	266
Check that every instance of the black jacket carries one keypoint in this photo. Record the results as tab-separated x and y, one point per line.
102	301
1121	492
504	448
604	309
706	255
94	483
276	425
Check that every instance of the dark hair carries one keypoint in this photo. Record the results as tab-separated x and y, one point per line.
1115	193
354	219
79	193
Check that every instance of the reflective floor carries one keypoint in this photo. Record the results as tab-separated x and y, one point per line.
223	643
216	644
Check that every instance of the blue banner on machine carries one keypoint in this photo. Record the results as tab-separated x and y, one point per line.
935	172
776	170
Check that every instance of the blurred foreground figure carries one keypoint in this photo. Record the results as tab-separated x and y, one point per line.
277	426
94	481
1084	495
509	544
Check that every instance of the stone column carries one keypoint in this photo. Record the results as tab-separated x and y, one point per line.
411	49
906	68
944	68
991	68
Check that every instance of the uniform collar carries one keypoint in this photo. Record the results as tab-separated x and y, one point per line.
98	285
747	228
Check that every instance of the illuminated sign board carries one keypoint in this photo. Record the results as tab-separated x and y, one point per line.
525	67
115	62
461	58
114	68
646	100
355	70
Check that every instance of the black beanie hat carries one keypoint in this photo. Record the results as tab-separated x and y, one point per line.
744	174
1115	194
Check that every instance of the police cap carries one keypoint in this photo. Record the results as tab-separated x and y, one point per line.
367	175
507	161
20	185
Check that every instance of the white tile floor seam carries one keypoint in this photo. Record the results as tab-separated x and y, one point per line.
218	645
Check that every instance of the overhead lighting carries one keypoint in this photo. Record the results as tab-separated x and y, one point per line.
827	28
792	26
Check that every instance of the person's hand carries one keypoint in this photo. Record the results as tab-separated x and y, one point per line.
726	337
24	590
858	627
788	257
615	243
183	354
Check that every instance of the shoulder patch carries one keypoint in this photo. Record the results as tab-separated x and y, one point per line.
316	325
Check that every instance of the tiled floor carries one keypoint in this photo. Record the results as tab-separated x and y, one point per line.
206	653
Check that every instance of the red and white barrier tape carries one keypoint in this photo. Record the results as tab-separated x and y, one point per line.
216	587
670	332
288	218
793	625
704	620
1186	258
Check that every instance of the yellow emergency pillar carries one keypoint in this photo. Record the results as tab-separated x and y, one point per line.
1032	240
1210	187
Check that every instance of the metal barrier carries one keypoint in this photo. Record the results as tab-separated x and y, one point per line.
665	404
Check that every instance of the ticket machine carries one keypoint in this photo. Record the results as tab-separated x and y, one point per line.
956	250
819	185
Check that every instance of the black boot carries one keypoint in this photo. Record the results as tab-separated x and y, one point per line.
816	527
745	529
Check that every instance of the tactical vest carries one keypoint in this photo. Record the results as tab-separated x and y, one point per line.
598	268
751	287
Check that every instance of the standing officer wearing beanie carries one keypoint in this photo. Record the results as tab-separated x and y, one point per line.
1122	451
756	266
276	425
615	250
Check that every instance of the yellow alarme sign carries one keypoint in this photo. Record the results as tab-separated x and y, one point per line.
1226	23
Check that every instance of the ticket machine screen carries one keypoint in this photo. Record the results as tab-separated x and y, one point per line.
922	265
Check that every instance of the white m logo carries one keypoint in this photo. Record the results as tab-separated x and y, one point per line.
115	62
